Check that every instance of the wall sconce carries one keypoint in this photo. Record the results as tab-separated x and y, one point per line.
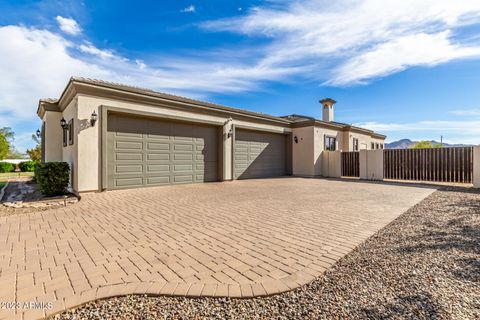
38	133
93	118
64	124
295	139
230	133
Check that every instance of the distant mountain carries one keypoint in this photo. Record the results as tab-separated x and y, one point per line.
407	143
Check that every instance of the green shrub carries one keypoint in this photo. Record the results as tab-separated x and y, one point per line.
6	167
53	177
27	166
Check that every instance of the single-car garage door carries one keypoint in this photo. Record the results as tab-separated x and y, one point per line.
148	152
259	154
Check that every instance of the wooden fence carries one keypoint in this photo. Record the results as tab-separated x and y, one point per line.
435	164
350	164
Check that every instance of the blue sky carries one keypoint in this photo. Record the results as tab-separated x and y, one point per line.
408	69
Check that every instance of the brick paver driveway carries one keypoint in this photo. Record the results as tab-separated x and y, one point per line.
239	239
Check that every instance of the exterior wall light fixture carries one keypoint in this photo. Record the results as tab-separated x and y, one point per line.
63	124
295	139
230	133
93	118
38	133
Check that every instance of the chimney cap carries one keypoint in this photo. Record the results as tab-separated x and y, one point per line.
328	101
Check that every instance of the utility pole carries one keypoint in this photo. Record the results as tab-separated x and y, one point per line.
441	141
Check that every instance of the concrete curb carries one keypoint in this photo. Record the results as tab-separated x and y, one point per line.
2	192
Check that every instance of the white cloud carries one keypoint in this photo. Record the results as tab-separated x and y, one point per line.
68	25
396	55
190	8
57	59
347	42
466	112
91	49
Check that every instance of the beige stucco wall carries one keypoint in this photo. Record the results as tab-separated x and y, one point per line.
319	147
331	164
364	141
53	136
303	152
371	164
69	153
476	167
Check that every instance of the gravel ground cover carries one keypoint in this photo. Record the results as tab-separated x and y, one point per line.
424	265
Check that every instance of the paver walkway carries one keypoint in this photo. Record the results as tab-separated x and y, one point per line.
239	239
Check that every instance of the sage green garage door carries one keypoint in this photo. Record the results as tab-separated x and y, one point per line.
259	154
148	152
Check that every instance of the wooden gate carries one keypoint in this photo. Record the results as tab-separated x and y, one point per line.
350	164
434	164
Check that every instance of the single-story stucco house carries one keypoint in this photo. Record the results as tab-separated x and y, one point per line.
116	136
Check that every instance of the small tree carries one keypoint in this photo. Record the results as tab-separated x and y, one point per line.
35	153
426	145
6	137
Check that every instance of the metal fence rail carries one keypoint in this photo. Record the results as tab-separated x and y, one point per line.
350	164
435	164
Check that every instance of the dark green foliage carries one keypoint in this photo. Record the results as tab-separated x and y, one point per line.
27	166
6	167
53	177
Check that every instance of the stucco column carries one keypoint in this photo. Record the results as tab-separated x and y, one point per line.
371	164
331	164
476	167
227	149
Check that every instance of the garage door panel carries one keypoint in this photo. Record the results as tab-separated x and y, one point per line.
183	179
132	168
158	156
259	154
128	145
183	156
167	152
155	168
128	135
153	181
123	156
157	146
128	182
183	147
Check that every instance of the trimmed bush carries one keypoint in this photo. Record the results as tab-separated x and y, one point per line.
53	177
6	167
27	166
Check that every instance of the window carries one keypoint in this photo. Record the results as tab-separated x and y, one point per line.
65	130
355	144
330	143
381	145
378	145
70	132
372	146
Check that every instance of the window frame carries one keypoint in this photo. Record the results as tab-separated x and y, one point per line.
330	139
65	137
355	144
70	132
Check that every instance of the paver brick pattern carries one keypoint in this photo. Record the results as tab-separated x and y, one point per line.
238	239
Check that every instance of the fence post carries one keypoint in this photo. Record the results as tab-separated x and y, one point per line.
476	167
371	164
363	164
331	164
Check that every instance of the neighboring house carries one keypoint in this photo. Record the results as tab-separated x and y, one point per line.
116	136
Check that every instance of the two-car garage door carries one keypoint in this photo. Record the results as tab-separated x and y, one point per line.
149	152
